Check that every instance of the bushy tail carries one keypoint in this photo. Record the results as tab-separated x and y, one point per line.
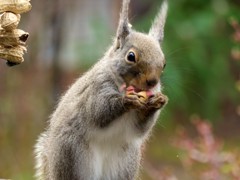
41	162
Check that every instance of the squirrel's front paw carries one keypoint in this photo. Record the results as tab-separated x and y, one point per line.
157	101
133	101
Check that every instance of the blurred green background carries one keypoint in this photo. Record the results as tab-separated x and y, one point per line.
202	77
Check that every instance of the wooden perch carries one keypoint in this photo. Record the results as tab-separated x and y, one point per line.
12	40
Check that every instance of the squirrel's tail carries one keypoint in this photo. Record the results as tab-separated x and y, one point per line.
41	164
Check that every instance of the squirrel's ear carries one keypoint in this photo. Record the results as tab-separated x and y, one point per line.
123	27
157	29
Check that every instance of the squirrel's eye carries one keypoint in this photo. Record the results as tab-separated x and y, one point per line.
131	57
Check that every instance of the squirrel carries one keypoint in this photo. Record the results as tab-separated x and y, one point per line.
102	121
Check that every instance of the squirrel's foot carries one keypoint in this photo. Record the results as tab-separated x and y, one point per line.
157	101
132	101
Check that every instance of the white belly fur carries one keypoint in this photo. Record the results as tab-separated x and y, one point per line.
107	145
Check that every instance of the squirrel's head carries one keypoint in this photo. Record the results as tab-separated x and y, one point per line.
137	57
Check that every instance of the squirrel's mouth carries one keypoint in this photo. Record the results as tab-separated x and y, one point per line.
131	88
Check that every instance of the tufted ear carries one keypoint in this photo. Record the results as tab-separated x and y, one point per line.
124	27
157	29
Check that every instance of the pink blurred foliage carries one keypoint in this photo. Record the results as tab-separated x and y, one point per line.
236	36
156	173
235	52
204	156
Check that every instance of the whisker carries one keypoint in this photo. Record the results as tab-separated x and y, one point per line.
173	52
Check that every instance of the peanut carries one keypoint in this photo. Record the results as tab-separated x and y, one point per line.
15	6
13	38
142	96
13	54
9	21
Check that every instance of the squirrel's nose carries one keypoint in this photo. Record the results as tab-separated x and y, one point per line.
151	82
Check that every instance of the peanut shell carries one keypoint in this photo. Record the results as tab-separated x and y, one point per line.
13	38
143	95
13	54
9	21
15	6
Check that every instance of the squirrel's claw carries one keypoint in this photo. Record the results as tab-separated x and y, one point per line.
132	101
157	101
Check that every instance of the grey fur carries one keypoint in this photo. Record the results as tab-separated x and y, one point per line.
97	131
123	26
157	29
